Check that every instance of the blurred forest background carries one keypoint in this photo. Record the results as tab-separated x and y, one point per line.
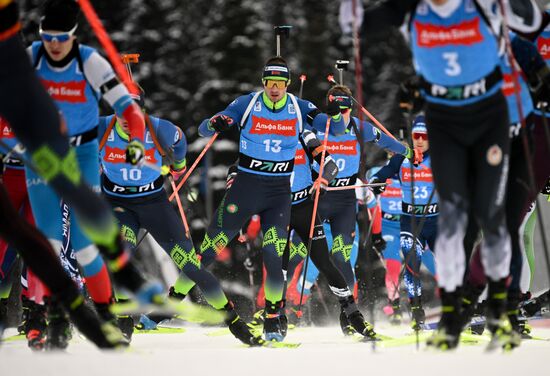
197	56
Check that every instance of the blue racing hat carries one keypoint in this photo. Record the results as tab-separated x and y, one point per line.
419	125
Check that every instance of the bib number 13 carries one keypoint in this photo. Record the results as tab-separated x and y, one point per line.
273	146
453	67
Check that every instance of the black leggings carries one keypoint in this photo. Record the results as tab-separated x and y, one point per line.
469	146
155	214
267	196
339	209
300	221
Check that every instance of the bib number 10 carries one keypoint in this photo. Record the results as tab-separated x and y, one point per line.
453	67
131	174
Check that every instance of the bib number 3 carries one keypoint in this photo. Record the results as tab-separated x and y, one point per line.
453	67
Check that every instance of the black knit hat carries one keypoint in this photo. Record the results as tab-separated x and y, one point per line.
59	15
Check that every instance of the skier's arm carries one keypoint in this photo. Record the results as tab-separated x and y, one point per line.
315	148
101	76
378	17
374	135
318	120
227	118
172	137
390	169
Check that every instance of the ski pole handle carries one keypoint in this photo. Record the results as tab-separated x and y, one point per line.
355	186
192	168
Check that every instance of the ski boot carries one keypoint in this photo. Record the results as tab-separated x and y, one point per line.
275	322
534	306
447	335
3	316
257	322
124	323
351	315
59	331
502	333
418	318
104	335
239	328
35	326
468	309
151	321
396	317
512	310
26	307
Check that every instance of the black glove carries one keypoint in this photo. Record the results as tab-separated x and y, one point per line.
377	189
330	169
539	85
546	189
135	153
378	243
220	123
333	108
409	95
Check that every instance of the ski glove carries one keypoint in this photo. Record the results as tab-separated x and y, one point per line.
539	85
135	153
378	243
414	155
377	189
333	108
220	123
330	171
178	169
409	96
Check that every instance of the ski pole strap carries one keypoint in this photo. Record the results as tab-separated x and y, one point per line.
354	186
153	134
107	132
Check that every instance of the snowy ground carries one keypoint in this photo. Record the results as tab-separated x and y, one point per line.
323	351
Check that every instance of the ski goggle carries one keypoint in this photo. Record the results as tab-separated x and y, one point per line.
420	136
279	84
59	37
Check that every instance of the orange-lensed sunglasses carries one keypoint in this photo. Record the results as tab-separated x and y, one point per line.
420	136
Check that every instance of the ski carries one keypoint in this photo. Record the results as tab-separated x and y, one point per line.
281	345
187	311
160	330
